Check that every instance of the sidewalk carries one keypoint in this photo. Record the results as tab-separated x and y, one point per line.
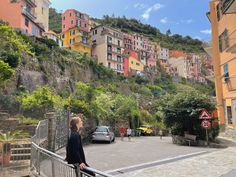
216	164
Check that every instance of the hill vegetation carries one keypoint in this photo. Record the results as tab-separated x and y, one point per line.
41	77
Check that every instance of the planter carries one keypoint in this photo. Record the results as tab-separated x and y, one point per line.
5	159
5	155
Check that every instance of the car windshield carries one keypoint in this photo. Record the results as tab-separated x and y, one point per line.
101	129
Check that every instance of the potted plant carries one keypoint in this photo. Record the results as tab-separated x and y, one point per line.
5	144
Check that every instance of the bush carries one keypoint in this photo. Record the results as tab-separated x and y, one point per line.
181	113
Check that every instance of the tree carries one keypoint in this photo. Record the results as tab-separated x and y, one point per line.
181	111
6	72
168	32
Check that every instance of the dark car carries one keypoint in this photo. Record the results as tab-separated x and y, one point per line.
103	133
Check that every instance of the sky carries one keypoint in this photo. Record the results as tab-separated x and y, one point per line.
185	17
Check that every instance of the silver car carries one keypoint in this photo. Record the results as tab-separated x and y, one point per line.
103	133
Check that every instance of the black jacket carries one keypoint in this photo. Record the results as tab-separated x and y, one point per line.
74	149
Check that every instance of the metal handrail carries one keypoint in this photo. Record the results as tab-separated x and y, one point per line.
62	160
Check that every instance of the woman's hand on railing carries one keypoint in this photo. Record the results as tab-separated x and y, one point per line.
82	166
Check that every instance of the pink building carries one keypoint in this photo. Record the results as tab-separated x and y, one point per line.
72	18
21	15
127	42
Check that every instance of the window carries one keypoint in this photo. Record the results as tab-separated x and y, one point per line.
109	65
64	26
229	115
226	70
223	40
70	14
42	10
64	18
118	43
218	12
109	39
72	22
85	25
96	31
27	22
63	36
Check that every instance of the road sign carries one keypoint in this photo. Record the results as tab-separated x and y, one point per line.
206	124
204	115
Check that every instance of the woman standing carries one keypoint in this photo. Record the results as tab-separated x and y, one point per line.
74	149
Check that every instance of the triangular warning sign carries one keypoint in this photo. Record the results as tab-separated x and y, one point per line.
204	115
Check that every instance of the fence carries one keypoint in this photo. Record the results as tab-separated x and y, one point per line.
49	164
41	132
15	153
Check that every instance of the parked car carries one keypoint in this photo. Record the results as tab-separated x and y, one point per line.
103	133
145	130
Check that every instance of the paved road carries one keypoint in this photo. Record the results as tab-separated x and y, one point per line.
122	154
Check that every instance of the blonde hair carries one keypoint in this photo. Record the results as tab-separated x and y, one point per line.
74	121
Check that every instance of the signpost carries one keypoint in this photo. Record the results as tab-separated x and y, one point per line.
206	124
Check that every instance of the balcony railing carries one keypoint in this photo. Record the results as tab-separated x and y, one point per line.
228	6
28	13
31	2
231	42
230	83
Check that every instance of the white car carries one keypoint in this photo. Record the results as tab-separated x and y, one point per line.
103	133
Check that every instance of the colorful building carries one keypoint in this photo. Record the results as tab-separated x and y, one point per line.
42	12
21	15
132	64
222	16
107	47
72	18
77	40
52	35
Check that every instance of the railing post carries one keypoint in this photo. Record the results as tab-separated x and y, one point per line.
38	160
53	167
51	130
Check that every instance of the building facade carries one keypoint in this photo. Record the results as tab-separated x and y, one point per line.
42	12
72	18
107	47
52	35
222	16
76	39
21	15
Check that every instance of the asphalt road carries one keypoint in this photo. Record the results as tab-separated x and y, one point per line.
122	154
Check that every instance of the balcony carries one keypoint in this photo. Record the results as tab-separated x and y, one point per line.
232	42
228	6
231	83
32	3
28	14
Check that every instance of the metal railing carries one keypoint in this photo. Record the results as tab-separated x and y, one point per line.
41	132
49	164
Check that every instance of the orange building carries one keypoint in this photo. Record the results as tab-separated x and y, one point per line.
21	15
177	53
222	16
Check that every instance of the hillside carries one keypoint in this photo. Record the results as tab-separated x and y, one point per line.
42	77
175	41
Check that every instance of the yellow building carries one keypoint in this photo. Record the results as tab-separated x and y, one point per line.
222	16
135	65
77	40
42	12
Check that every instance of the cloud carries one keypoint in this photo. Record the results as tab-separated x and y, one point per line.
139	6
164	20
207	31
147	12
187	21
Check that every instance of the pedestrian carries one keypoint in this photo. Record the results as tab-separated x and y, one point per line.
122	133
74	149
128	132
160	133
